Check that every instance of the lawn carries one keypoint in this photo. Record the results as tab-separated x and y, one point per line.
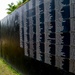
6	69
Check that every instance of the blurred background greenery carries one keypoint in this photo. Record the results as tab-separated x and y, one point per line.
12	6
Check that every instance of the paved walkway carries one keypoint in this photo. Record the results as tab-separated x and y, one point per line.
6	69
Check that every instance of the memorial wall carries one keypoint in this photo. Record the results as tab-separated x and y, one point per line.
47	31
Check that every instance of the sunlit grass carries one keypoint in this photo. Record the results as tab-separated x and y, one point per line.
6	69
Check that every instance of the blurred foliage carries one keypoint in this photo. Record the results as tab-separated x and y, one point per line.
12	6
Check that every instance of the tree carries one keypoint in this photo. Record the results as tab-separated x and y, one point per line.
12	6
23	1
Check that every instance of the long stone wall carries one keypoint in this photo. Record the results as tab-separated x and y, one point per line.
46	32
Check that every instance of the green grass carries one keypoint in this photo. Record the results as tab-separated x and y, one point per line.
6	69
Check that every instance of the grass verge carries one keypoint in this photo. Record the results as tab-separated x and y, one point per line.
6	69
